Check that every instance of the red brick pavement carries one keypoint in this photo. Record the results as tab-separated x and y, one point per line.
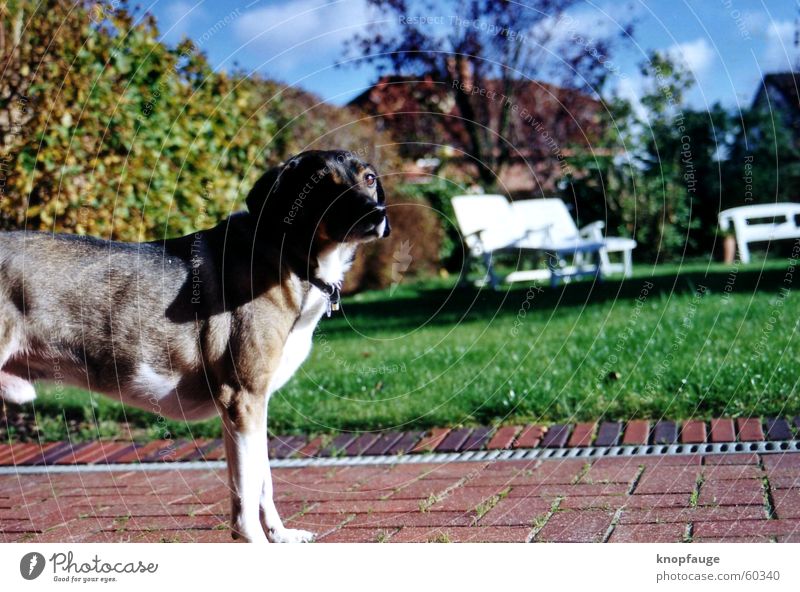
742	497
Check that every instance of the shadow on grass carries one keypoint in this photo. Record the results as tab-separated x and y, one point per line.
454	304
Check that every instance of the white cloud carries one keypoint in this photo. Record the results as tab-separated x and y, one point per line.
752	21
585	22
697	55
306	30
779	53
177	18
630	89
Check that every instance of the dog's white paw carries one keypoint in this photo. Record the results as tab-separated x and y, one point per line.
254	537
16	390
291	535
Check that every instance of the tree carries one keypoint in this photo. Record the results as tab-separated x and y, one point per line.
485	51
764	159
656	175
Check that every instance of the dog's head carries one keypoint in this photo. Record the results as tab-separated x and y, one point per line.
320	197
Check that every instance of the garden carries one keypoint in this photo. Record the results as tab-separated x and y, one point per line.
146	140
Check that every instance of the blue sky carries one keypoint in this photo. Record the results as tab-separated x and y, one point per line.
727	44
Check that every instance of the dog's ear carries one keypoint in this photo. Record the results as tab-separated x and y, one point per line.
264	191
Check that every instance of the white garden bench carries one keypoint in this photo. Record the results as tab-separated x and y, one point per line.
759	223
490	224
556	224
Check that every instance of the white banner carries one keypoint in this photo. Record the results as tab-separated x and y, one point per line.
373	567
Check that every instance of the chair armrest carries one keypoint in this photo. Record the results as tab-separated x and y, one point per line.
599	224
478	234
593	230
545	229
725	222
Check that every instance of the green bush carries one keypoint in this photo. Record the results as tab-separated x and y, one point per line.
437	193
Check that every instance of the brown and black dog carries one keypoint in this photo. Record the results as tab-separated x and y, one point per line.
210	323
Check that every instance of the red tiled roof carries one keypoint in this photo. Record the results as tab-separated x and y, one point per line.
424	112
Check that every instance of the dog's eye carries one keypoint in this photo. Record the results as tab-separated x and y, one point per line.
370	179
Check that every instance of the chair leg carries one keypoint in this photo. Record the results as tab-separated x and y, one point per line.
627	257
466	265
599	264
744	251
552	265
604	261
493	280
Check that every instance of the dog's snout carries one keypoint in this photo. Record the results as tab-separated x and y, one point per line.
375	223
378	217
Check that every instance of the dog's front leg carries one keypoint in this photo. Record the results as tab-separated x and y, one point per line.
245	433
271	520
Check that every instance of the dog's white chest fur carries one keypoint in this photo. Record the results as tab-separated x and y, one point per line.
298	345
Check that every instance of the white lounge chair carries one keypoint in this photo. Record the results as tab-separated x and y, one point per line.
777	221
489	225
555	224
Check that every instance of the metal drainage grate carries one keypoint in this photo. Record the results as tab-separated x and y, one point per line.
497	455
553	453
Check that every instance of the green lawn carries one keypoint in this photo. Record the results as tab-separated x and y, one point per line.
678	342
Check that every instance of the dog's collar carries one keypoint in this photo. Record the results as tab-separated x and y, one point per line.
333	292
